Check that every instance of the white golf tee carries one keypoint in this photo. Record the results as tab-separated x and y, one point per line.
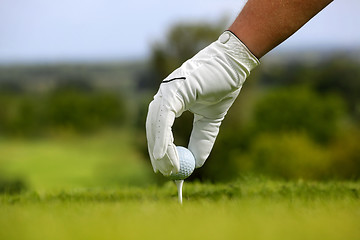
179	185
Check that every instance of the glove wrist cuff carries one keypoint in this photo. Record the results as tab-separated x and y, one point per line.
239	49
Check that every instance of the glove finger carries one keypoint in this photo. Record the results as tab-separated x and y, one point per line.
170	162
203	135
164	147
161	148
150	135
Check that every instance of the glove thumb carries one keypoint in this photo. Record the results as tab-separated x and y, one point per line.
203	135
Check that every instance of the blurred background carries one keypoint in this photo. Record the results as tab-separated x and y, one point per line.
76	78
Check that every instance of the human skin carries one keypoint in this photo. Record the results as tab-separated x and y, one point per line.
264	24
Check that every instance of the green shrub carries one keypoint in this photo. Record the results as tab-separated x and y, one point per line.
346	155
20	114
300	110
285	155
84	111
12	185
81	111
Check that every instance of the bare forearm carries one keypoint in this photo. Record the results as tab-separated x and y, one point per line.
264	24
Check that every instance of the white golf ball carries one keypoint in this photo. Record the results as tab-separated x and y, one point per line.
187	164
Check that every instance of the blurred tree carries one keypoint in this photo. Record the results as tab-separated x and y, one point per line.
341	75
12	185
182	42
285	155
84	111
73	105
11	86
20	114
77	105
301	110
337	74
74	83
346	155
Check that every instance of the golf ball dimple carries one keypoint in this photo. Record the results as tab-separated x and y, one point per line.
187	164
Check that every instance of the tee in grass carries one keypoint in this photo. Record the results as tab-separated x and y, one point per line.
187	166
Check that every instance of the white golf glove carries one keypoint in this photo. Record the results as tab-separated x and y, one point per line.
206	85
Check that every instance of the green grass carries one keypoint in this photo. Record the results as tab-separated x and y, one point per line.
248	209
100	187
105	159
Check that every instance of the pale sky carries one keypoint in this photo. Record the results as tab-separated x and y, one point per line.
91	30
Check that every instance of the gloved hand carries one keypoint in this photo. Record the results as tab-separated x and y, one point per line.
206	85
